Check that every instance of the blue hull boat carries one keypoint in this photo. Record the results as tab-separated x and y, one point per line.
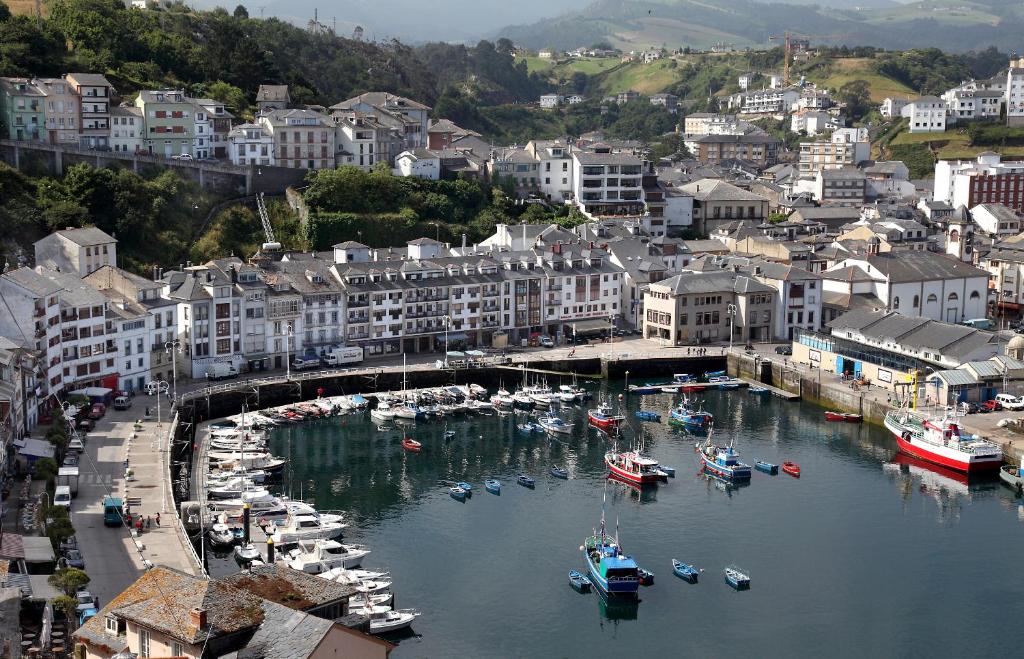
464	485
492	486
646	415
723	462
614	574
766	467
685	571
525	481
457	493
558	472
644	389
669	471
737	578
579	581
728	385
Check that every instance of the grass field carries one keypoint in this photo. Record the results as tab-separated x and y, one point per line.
950	12
27	7
848	69
566	67
644	78
952	144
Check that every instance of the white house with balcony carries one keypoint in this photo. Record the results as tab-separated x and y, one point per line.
607	184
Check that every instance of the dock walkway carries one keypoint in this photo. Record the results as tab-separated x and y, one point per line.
775	390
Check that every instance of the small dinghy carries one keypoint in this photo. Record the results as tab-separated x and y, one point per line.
646	577
737	577
766	467
685	571
464	485
759	390
559	472
524	428
525	481
449	434
246	553
1011	475
579	581
411	445
647	415
457	493
791	468
493	486
669	471
845	417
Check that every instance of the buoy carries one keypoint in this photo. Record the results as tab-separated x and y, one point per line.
620	396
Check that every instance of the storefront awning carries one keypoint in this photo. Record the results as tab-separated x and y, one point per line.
590	326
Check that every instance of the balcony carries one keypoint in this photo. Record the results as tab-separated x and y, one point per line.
38	313
356	304
358	319
795	302
69	335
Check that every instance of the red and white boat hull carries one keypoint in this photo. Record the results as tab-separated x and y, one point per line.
947	457
604	423
630	476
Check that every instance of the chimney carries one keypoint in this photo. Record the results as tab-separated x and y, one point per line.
156	271
463	241
198	618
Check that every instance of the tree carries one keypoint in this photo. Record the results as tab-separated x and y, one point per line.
69	607
241	12
46	468
69	580
228	94
856	94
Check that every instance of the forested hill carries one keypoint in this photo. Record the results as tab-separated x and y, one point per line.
183	48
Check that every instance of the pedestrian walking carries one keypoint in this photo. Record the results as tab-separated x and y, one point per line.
149	522
158	519
138	524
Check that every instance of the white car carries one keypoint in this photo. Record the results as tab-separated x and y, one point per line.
76	445
1009	402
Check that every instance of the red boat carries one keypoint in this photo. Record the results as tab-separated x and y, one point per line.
411	445
691	388
604	418
634	467
791	468
843	416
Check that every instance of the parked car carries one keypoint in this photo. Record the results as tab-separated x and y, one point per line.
76	445
62	497
97	411
70	460
73	558
969	408
991	406
86	600
68	544
122	403
1010	402
546	341
784	350
183	156
85	425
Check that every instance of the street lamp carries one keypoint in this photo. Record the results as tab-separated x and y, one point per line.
287	351
161	389
447	320
611	329
170	348
731	312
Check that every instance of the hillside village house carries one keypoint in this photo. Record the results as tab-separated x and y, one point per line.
95	95
926	114
23	106
996	220
170	122
302	138
420	163
716	202
251	144
127	126
63	109
272	97
692	308
893	107
607	184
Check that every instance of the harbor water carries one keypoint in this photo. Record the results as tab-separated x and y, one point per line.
866	554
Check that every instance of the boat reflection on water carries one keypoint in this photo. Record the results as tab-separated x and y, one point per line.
617	608
646	493
947	487
723	484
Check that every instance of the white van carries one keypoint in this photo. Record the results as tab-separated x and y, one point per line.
339	356
62	496
220	371
1009	402
122	402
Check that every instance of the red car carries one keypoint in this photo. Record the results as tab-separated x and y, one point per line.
97	411
991	406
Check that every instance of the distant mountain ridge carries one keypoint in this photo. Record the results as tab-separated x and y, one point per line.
955	25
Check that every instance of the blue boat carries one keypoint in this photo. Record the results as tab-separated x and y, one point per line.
737	577
457	493
449	434
689	418
466	486
669	471
614	574
644	389
579	581
559	472
493	486
682	377
723	461
766	467
524	428
647	415
525	480
714	374
685	571
536	427
729	385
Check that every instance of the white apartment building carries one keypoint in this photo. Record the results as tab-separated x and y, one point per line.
812	122
848	147
555	168
126	128
251	144
926	114
355	138
969	104
893	107
551	100
769	101
202	136
607	184
77	251
1014	98
983	180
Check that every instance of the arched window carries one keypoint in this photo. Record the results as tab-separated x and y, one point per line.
917	301
932	299
895	303
953	297
975	295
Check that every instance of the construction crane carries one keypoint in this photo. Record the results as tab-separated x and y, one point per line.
271	245
787	52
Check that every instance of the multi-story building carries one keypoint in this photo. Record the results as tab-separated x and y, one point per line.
709	123
846	147
22	110
127	127
769	101
1014	91
19	412
251	144
696	307
406	118
302	138
202	133
717	202
812	122
668	101
220	119
1005	264
420	163
551	100
516	165
63	108
95	95
756	147
996	220
607	184
926	114
893	107
78	251
554	168
984	180
170	122
356	139
272	97
844	186
970	104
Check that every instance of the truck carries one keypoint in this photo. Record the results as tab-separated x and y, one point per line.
68	476
339	356
221	371
302	363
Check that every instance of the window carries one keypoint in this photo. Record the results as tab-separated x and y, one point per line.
932	299
953	297
975	295
143	643
917	301
895	303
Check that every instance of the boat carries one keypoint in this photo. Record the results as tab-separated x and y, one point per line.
682	377
525	481
669	388
382	412
766	467
525	428
566	394
759	390
723	461
553	423
493	486
669	471
791	468
384	619
729	385
646	577
559	472
685	571
1010	475
713	375
410	444
614	574
647	415
220	535
457	492
299	528
503	399
643	389
634	467
409	411
522	400
316	556
846	417
690	419
464	485
247	553
579	581
737	577
449	434
938	440
604	418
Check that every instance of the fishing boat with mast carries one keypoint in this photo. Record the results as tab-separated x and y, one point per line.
634	467
684	415
722	461
614	573
604	417
938	440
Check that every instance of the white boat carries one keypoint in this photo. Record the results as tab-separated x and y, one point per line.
523	399
938	440
297	528
345	576
260	502
540	395
477	391
384	619
409	411
302	508
317	556
382	412
479	405
247	553
219	475
552	423
220	535
502	399
566	394
264	461
233	489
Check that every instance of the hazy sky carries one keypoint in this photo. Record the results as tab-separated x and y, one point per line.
436	20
